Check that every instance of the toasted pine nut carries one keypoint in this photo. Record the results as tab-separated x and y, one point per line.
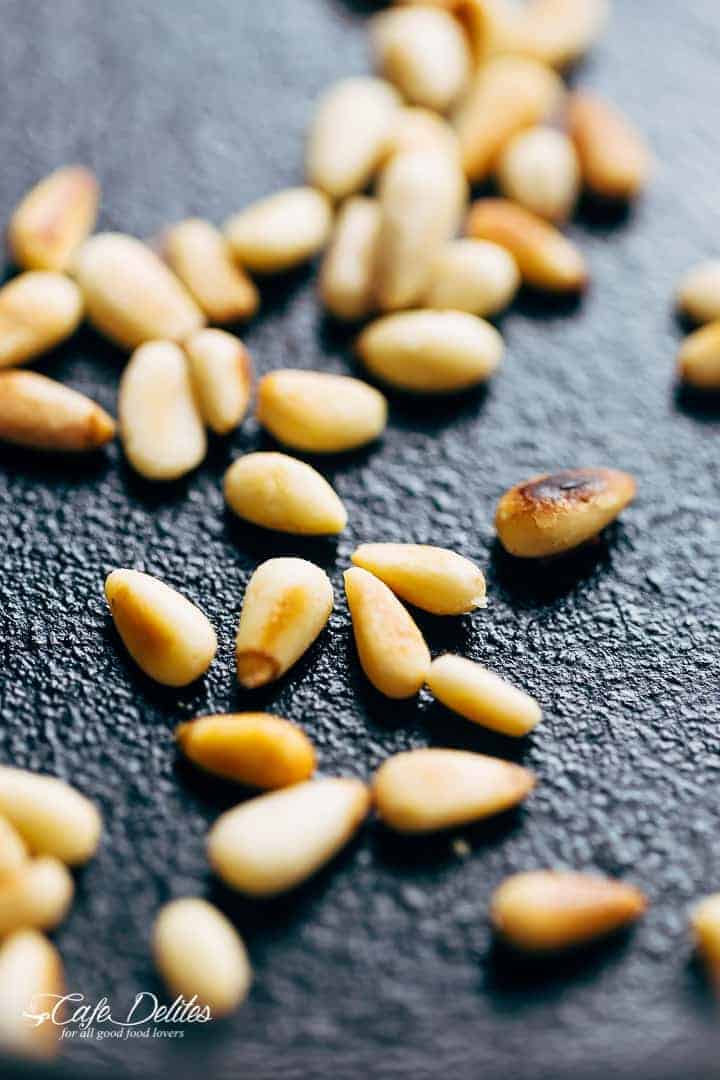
38	310
255	749
349	135
160	424
13	851
699	358
614	160
422	791
43	414
482	696
431	578
698	294
318	412
705	920
422	129
539	169
286	605
346	285
36	896
52	817
279	492
545	257
199	953
200	256
274	842
280	231
556	512
167	636
490	26
431	351
221	373
391	649
53	219
130	294
545	910
557	32
31	980
474	276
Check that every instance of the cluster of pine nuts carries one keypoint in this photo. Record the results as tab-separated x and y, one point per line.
466	90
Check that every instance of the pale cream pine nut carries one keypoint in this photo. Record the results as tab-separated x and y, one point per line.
422	129
13	851
281	493
391	649
161	428
31	980
281	231
201	257
557	512
320	413
546	258
52	817
131	296
539	169
221	373
287	603
346	275
349	135
698	294
705	922
274	842
547	910
699	358
256	749
432	578
557	32
509	93
481	696
431	352
53	219
474	276
198	952
614	160
35	896
38	310
45	415
422	791
169	638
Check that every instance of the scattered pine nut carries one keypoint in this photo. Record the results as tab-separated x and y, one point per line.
432	578
255	749
489	25
481	696
699	358
474	276
200	256
391	649
287	603
558	32
198	952
614	160
53	219
346	276
52	817
545	910
281	231
169	638
36	896
30	969
276	841
38	310
698	294
281	493
705	920
45	415
539	169
13	851
557	512
221	374
421	129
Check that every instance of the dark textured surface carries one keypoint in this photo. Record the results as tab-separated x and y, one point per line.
384	965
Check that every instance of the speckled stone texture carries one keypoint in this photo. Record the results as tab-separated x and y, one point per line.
383	966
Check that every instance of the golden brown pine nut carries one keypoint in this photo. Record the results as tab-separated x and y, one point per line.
255	749
201	257
614	159
474	276
431	578
45	415
346	276
53	219
279	492
281	231
38	310
52	817
481	696
221	374
699	358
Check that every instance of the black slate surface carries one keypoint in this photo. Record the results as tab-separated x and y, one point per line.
384	965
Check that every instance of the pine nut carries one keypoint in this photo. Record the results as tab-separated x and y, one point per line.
431	351
473	276
490	26
423	791
545	257
424	52
431	578
281	231
160	424
698	294
320	413
481	696
349	135
35	896
200	256
540	170
556	512
699	358
53	219
614	160
30	969
281	493
286	605
13	851
45	415
52	817
346	285
198	952
509	93
169	638
421	129
38	310
558	32
255	749
545	910
391	649
705	921
273	843
221	373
